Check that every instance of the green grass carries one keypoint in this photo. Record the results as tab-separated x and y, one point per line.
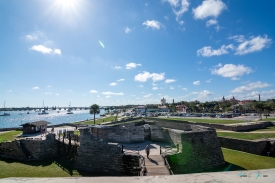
45	168
248	161
271	128
246	136
9	136
98	121
214	121
267	119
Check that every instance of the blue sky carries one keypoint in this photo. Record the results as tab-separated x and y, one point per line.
135	52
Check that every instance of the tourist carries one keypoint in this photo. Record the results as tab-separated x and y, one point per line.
147	150
144	171
52	129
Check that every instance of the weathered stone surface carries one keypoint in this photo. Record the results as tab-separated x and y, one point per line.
34	149
259	147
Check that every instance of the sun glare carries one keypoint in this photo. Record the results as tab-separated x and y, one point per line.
66	3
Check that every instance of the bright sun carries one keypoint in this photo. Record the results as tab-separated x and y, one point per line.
66	3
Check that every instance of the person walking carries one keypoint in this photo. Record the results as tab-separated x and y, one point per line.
147	150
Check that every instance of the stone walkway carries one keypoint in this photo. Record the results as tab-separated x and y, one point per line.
257	176
155	163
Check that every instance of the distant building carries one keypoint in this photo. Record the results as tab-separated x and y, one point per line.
231	100
34	127
182	108
140	108
163	101
163	108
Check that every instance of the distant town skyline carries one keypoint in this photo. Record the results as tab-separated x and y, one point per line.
135	52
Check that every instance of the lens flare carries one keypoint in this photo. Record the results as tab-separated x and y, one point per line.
101	44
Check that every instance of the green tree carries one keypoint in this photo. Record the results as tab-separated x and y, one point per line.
259	106
94	109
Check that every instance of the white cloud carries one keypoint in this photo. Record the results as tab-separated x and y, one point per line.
35	88
112	93
143	77
9	91
148	95
48	93
208	81
31	37
120	80
250	86
42	49
207	51
196	83
49	86
171	88
211	22
153	24
57	51
209	8
127	30
112	84
93	91
231	71
254	44
45	50
141	86
204	94
154	84
170	80
179	8
185	89
107	96
117	67
57	94
132	65
238	38
155	88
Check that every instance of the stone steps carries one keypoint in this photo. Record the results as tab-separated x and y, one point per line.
156	166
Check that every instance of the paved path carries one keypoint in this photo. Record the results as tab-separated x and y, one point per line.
258	176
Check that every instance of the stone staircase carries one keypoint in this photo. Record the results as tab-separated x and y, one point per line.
156	166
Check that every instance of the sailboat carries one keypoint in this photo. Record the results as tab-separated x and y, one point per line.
69	109
43	112
5	114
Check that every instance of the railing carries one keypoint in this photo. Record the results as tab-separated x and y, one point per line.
167	165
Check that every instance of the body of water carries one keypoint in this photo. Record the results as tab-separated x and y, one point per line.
17	118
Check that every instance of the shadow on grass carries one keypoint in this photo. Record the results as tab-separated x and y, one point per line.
64	164
226	167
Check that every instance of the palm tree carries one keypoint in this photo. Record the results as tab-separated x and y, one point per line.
94	109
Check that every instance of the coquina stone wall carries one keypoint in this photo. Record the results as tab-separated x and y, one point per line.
128	133
199	151
30	149
97	155
259	147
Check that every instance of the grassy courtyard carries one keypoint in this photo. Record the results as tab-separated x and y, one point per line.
248	161
214	121
99	120
9	136
246	136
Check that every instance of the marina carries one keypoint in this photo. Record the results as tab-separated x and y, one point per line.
16	118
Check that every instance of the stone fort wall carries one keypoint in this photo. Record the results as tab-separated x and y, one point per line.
97	155
33	149
259	147
199	146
